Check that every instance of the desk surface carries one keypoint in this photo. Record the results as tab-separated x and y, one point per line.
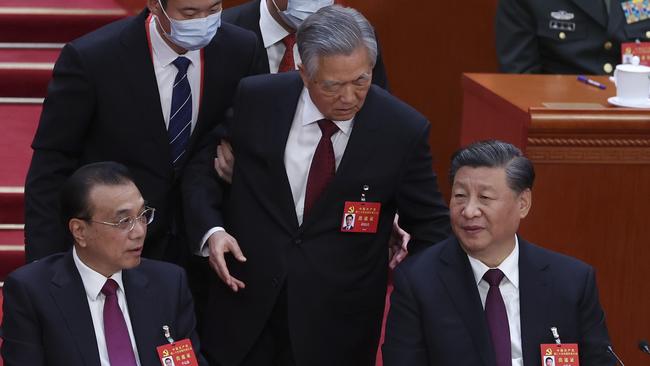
526	91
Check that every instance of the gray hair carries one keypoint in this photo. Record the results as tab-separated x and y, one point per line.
520	173
334	30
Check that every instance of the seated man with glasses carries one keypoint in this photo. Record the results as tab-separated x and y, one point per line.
100	303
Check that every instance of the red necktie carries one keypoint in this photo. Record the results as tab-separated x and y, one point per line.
287	64
118	341
323	164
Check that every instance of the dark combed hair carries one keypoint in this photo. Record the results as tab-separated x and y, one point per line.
520	173
76	189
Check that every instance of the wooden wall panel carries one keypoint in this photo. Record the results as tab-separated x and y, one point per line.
426	46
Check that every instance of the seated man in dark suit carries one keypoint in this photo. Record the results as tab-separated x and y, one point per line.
486	296
317	144
99	303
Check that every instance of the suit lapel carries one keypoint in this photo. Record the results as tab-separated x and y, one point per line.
357	151
252	22
595	9
143	87
212	59
456	273
142	307
277	127
534	295
69	296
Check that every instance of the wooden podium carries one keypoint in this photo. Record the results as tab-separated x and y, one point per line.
591	198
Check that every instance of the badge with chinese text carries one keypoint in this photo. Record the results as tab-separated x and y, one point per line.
565	354
177	354
360	217
640	49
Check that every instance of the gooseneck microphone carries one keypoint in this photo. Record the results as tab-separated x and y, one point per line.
643	346
611	350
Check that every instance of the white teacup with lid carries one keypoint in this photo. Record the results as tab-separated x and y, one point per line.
632	82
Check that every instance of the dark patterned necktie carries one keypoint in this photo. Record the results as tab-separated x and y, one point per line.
497	318
180	118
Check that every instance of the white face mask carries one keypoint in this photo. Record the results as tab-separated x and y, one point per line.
192	34
298	10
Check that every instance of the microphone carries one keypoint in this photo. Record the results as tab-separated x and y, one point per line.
611	350
643	346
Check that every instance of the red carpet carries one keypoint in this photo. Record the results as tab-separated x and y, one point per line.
15	151
29	55
15	154
25	73
23	81
12	253
54	21
13	206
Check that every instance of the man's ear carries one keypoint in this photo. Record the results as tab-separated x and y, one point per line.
303	74
78	229
525	202
152	5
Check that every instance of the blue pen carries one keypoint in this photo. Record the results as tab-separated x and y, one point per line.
586	80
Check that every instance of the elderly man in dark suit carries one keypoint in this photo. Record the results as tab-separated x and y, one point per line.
99	303
140	91
295	288
486	296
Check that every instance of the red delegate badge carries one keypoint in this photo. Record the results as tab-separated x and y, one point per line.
360	217
177	354
565	354
640	49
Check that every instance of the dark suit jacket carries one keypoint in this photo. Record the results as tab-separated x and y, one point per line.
336	282
47	321
526	43
436	316
247	16
103	104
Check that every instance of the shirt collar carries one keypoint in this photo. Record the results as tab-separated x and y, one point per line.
311	114
92	280
509	266
163	52
272	31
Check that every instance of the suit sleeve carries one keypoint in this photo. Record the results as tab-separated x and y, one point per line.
422	211
203	190
593	330
517	44
66	115
186	320
404	342
20	329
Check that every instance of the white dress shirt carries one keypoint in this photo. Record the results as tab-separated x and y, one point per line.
163	58
301	146
509	288
272	35
93	283
299	151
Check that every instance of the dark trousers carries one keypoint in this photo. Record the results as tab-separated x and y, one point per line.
273	347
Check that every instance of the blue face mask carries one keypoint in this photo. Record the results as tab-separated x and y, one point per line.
193	34
298	10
